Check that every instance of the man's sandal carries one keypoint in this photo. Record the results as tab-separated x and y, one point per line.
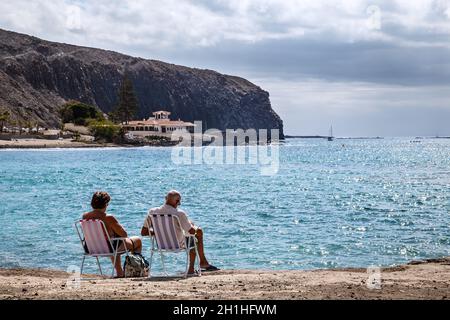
210	268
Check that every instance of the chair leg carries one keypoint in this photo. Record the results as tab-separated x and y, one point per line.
163	265
198	259
152	251
150	263
187	263
114	265
82	265
99	267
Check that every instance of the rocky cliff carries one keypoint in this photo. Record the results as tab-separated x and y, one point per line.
37	77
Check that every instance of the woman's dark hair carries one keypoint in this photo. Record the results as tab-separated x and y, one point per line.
100	199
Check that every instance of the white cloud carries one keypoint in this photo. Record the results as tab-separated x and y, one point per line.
366	51
175	23
447	13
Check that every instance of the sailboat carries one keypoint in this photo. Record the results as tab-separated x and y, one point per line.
330	136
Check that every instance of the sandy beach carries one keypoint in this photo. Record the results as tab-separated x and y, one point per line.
48	143
428	279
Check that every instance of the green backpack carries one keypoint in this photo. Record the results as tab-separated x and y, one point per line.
135	266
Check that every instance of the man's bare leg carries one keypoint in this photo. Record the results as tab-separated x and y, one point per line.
201	252
192	255
201	249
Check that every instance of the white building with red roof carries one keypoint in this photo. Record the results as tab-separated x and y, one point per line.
158	125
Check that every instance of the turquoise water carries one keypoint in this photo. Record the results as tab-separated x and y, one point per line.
370	202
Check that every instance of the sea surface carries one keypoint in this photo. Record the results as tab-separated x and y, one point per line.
346	203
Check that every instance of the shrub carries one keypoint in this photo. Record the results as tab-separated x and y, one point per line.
80	113
104	130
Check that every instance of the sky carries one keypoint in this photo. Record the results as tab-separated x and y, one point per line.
369	68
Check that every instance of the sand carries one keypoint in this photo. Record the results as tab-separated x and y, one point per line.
69	143
47	143
417	280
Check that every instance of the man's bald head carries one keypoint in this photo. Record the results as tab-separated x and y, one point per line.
173	198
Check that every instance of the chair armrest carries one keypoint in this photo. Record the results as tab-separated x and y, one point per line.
187	234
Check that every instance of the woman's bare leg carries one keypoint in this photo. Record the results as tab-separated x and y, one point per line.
137	249
137	244
118	266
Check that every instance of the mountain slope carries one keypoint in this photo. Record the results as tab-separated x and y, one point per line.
37	77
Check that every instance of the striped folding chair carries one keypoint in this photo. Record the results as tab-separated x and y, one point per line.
165	240
96	242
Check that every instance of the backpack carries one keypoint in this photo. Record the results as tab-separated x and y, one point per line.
135	266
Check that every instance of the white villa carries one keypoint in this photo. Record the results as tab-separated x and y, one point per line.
158	125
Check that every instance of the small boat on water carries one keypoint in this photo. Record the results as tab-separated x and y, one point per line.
330	136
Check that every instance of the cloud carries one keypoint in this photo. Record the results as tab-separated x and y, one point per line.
172	23
381	43
359	109
360	40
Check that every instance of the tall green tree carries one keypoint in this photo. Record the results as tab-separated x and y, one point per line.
127	102
4	117
79	113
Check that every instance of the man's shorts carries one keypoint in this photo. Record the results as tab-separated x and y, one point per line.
189	241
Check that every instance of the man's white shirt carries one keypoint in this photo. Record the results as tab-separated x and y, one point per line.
185	225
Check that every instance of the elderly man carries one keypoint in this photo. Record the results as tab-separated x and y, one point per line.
173	200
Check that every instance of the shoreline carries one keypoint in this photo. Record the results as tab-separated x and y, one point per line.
423	279
51	144
60	147
33	144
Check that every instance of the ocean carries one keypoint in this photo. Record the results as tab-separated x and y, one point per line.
346	203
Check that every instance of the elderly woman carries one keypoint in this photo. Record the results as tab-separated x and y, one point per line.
99	203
